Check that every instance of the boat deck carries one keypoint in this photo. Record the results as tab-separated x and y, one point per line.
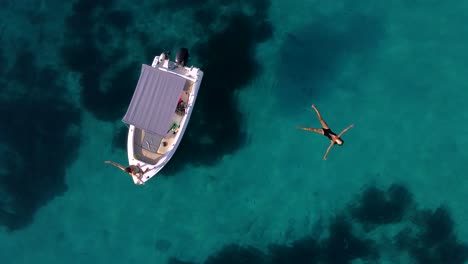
165	144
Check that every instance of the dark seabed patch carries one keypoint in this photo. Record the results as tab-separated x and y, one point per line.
432	239
228	62
119	141
2	65
314	55
307	249
425	236
376	207
343	245
41	139
162	245
97	39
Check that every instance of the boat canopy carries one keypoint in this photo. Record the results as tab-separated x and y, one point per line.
154	101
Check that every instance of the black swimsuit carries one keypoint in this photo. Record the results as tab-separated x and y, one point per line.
328	133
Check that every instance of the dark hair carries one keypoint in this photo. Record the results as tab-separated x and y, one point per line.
342	142
128	169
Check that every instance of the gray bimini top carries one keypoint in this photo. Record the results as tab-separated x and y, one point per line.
154	100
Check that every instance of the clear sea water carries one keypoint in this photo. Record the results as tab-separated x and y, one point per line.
245	186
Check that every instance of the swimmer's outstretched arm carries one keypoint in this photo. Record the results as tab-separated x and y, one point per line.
310	129
328	150
346	129
115	164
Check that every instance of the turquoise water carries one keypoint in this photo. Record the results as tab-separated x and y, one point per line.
245	185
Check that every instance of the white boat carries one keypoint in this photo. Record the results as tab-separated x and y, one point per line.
159	111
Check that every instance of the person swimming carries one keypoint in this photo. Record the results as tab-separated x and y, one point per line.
326	131
133	170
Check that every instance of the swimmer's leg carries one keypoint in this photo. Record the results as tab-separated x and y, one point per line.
322	122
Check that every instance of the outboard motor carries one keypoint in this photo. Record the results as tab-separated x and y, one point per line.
164	56
182	57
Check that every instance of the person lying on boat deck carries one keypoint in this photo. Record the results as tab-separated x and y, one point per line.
181	105
326	131
133	170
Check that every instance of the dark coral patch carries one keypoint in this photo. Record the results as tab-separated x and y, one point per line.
41	139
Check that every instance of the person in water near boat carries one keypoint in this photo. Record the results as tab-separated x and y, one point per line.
326	131
133	170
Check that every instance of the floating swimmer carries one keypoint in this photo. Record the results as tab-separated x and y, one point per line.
326	131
